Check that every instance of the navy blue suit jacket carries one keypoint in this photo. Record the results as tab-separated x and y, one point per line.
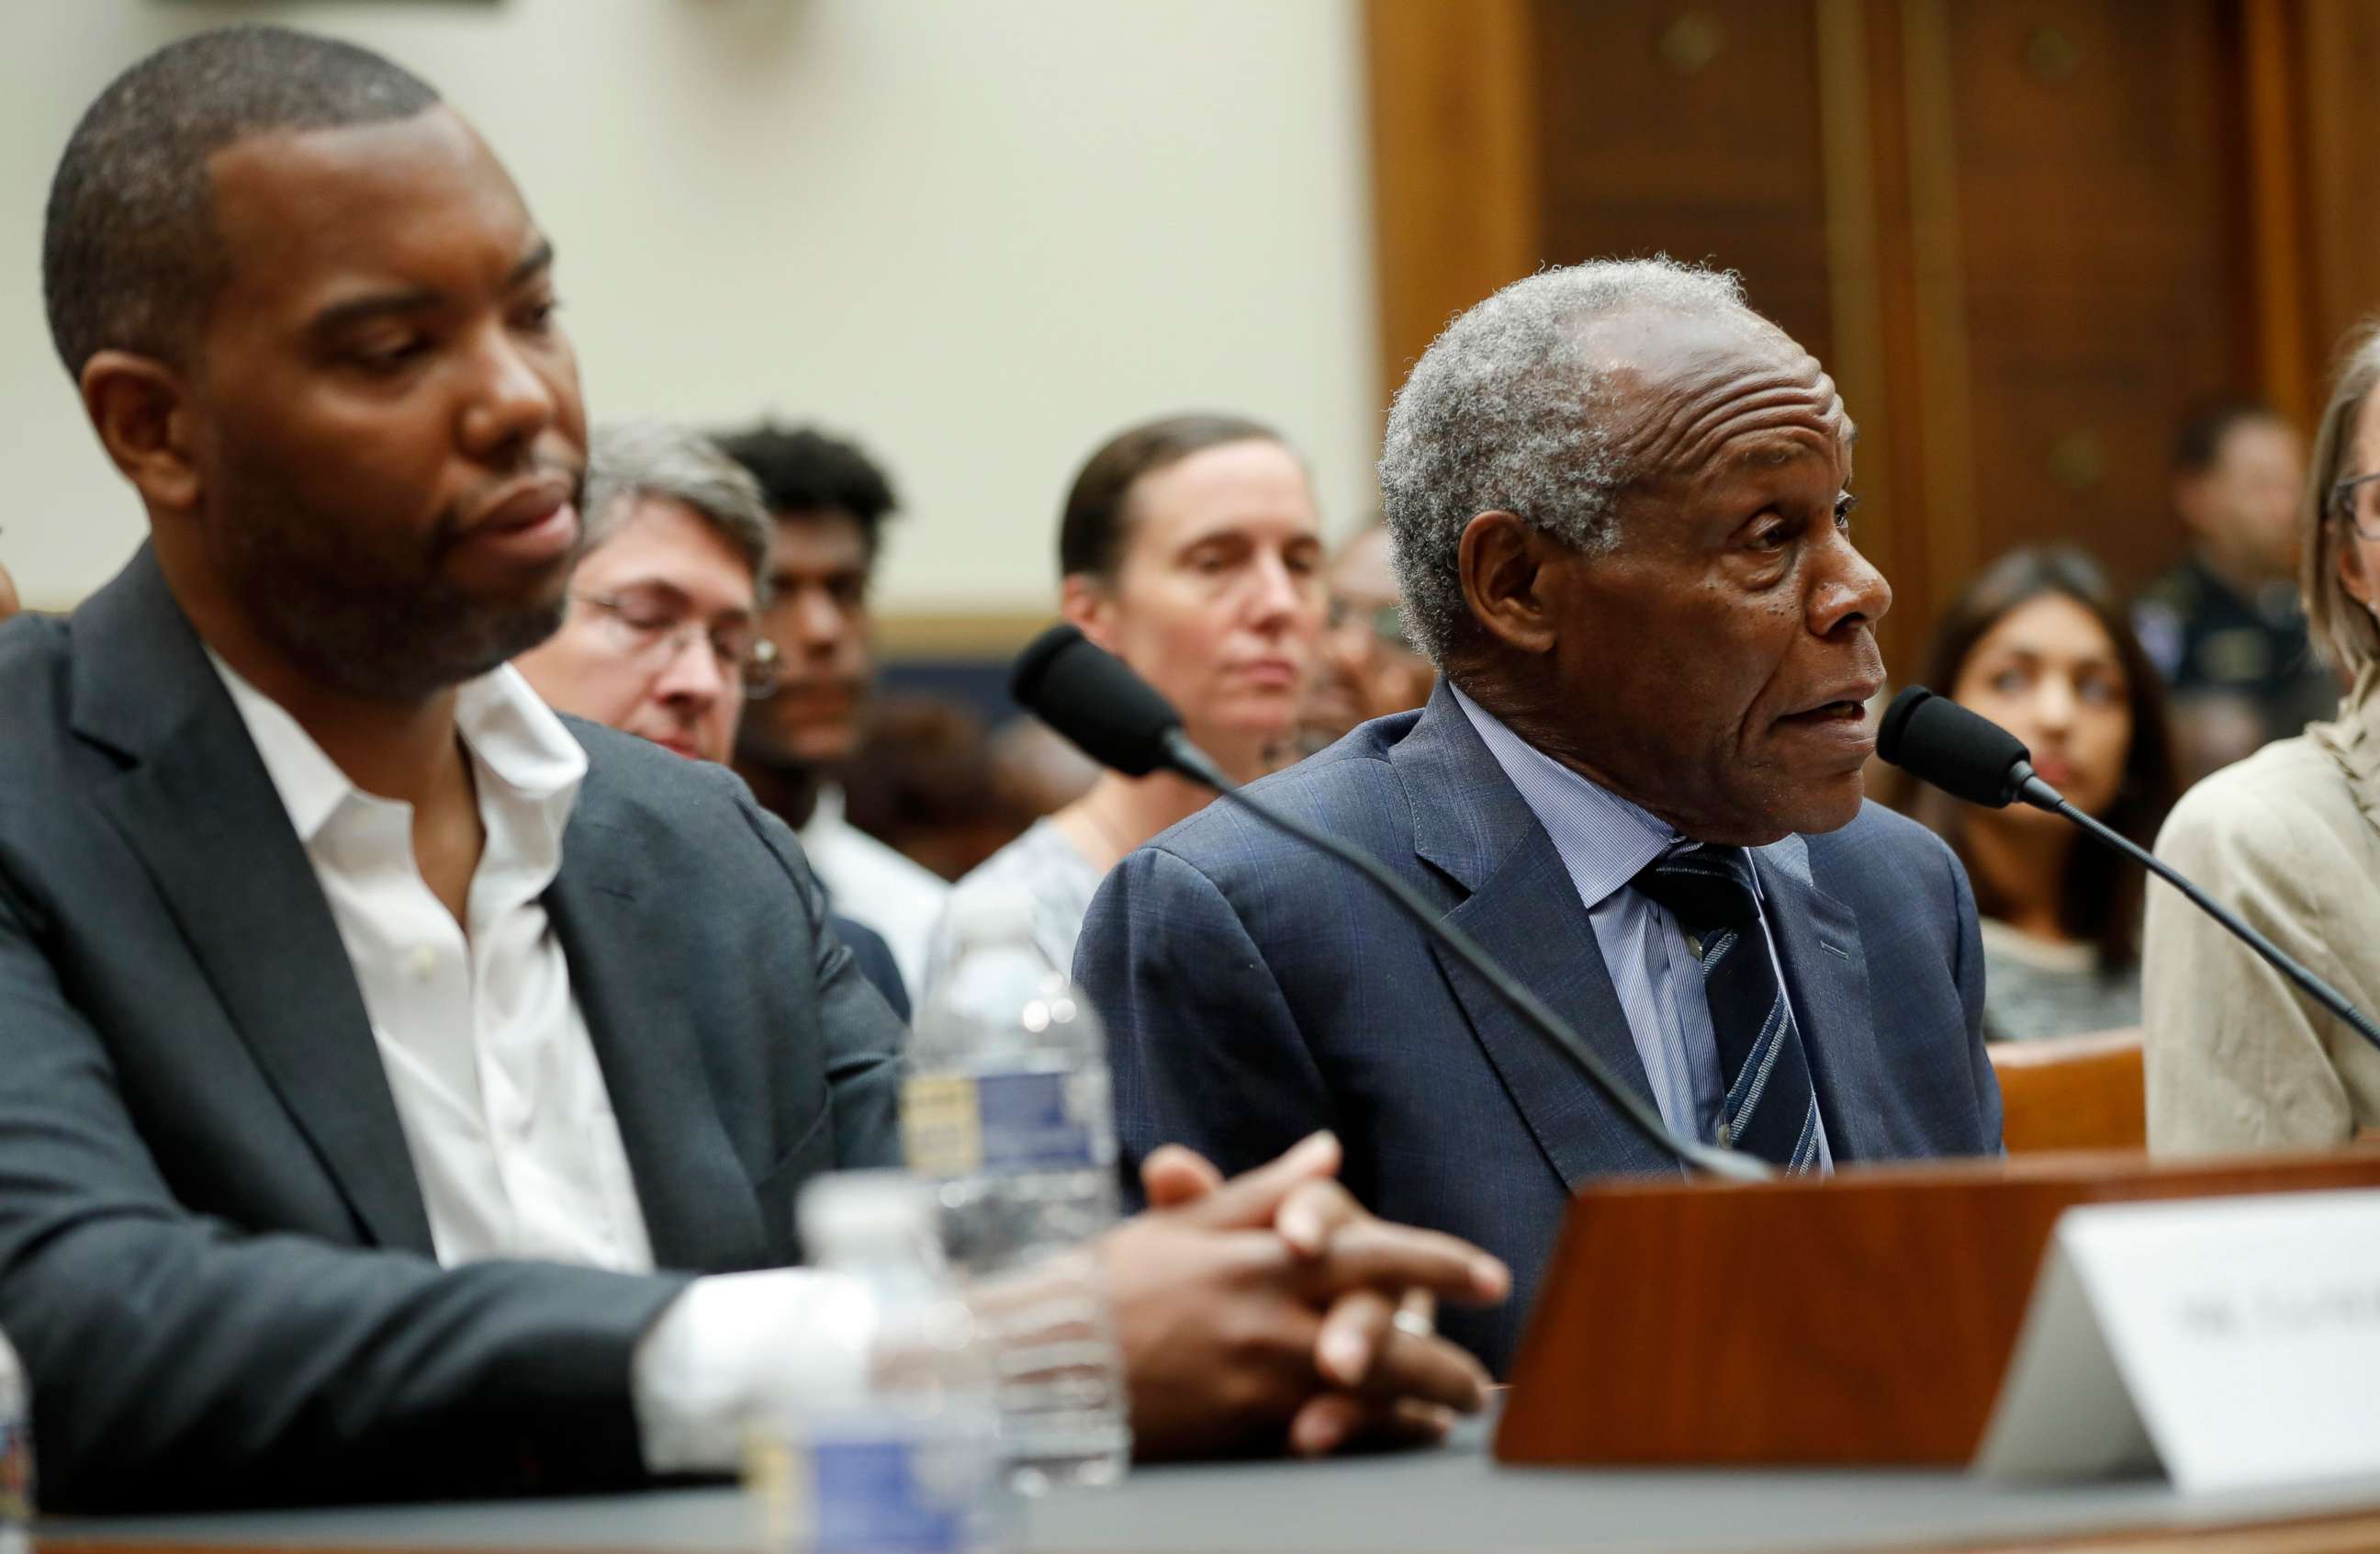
1254	990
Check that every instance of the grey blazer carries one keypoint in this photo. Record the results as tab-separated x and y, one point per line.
213	1254
1254	990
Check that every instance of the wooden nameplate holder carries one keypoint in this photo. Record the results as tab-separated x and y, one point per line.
1863	1320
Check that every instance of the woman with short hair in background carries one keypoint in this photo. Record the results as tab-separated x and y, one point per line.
2039	644
1190	549
2289	839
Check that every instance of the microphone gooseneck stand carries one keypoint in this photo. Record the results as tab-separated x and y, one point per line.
1968	756
1118	719
2041	796
1194	763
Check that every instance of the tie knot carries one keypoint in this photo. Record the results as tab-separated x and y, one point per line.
1706	887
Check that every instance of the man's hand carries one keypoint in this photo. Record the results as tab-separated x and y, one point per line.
1261	1311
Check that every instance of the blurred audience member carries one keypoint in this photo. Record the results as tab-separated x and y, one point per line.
10	603
2224	625
660	639
829	502
2039	644
922	782
1038	771
1365	667
1190	549
2289	839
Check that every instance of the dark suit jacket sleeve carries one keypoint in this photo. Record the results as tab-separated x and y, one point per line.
864	1037
1969	970
178	1361
1204	1048
876	962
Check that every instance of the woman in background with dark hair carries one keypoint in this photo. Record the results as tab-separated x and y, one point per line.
1189	548
2039	644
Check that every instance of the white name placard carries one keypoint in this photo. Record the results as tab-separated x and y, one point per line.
2235	1341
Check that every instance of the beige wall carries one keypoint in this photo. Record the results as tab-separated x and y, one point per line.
978	235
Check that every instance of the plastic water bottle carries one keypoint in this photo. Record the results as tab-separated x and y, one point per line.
15	1453
1007	1108
910	1461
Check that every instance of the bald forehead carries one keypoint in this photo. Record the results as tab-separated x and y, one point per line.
1688	393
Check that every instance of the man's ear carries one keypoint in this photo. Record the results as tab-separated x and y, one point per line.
139	407
1502	562
1089	605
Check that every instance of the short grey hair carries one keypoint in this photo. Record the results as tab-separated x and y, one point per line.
1506	411
2342	628
626	460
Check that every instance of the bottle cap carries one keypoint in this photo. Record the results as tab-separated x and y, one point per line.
991	913
870	1214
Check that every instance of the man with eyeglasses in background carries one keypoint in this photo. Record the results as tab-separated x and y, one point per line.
662	637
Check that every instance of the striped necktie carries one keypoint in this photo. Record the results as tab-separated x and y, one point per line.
1771	1109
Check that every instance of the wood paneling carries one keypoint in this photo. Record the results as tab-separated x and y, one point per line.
1454	104
2106	233
2024	234
1664	132
2337	64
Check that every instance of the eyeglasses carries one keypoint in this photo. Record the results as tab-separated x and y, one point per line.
651	635
2344	504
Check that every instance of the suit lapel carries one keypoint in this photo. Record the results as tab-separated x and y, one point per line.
700	1212
1818	940
197	807
1525	911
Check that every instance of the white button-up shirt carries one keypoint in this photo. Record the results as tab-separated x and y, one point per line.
497	1087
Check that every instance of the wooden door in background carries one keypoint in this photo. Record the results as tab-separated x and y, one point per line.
2025	234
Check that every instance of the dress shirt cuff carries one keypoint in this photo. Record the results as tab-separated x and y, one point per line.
739	1347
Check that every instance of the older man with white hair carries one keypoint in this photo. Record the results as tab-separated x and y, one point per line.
1621	505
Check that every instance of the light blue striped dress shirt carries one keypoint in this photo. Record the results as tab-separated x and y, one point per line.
1603	841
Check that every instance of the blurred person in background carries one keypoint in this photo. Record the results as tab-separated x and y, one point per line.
2289	839
1038	771
829	501
660	639
2225	626
923	783
10	603
2039	644
1366	667
1190	549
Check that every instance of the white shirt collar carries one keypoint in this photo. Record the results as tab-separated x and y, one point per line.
514	738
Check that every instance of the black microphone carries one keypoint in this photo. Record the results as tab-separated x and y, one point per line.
1095	699
1968	756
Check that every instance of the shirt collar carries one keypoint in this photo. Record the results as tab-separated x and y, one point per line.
1603	839
513	737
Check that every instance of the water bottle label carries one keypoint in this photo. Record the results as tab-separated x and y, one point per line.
924	1493
955	1124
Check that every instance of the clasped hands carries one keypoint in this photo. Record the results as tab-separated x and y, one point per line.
1263	1312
